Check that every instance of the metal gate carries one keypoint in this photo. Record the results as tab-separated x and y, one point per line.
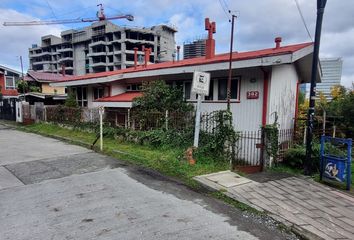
8	109
249	152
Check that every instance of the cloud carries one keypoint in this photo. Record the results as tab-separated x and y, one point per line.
15	41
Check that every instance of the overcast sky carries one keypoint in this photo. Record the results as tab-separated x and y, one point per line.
258	23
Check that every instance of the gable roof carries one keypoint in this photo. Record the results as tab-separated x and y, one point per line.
4	68
43	76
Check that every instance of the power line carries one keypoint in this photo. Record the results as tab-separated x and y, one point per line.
224	8
303	19
51	9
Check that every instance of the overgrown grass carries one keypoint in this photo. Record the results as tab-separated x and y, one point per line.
166	160
286	169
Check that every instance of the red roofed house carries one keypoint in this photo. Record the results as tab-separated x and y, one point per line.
8	92
46	94
264	83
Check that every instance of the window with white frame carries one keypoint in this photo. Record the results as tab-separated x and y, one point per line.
222	88
10	83
81	96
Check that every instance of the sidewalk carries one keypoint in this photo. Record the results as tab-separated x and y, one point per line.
317	211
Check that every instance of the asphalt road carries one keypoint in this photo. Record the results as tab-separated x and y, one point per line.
52	190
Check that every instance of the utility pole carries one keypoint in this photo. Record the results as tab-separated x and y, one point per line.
21	67
230	61
321	4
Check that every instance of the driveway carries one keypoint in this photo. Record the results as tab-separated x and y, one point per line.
52	190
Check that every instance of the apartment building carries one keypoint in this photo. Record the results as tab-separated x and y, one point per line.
194	49
331	75
102	46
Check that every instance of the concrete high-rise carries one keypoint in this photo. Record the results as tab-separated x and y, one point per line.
102	46
331	75
194	49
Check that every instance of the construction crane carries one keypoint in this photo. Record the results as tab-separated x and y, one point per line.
100	17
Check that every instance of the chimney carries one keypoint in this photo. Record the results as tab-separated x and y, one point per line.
178	48
277	41
147	52
210	42
135	57
63	70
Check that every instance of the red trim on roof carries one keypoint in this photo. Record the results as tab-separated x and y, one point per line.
236	56
123	97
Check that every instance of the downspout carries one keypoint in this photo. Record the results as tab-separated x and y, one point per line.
296	105
265	96
264	115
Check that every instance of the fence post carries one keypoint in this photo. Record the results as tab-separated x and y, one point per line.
197	122
45	113
263	147
166	120
101	112
128	117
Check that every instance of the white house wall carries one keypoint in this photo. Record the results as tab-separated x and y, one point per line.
118	88
247	114
282	95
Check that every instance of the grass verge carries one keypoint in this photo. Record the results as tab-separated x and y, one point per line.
168	161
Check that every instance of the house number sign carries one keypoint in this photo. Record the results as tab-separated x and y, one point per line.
252	94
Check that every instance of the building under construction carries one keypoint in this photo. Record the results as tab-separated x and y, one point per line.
194	49
102	46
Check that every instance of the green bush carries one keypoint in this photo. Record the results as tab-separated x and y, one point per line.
295	157
70	101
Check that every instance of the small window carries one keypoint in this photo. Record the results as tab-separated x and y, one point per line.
187	90
98	93
10	83
222	88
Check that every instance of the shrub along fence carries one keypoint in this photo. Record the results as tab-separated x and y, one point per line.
217	138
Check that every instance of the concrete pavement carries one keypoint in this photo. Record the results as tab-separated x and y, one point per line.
318	211
69	192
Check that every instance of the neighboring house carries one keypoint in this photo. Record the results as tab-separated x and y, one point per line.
264	84
47	94
102	46
8	80
8	92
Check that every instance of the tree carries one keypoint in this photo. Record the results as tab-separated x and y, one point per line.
22	86
158	96
70	101
338	91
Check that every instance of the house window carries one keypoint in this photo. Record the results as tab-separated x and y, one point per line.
211	91
10	83
222	88
187	90
81	96
134	87
98	93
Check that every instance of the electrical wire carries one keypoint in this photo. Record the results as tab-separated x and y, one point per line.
51	9
224	8
303	19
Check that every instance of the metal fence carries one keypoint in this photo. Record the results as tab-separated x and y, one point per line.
251	149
